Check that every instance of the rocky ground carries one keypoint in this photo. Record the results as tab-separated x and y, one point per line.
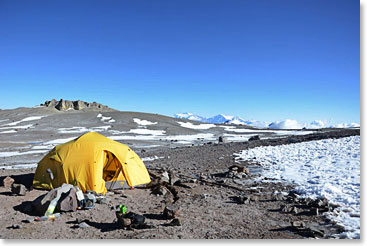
216	197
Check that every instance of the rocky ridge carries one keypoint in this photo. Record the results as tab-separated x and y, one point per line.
63	105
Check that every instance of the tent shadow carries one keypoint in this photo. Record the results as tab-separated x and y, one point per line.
24	179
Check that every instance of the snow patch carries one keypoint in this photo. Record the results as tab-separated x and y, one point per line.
325	168
10	131
145	159
81	129
188	138
16	153
31	118
48	147
60	141
192	126
105	118
19	166
148	132
16	127
144	122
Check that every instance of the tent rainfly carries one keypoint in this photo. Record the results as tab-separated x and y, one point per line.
89	161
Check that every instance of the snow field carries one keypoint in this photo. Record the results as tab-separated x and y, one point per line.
105	118
15	153
81	129
192	126
31	118
144	122
325	168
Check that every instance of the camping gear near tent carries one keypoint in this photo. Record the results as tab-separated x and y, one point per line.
89	161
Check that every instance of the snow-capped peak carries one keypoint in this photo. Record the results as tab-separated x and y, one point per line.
284	124
190	116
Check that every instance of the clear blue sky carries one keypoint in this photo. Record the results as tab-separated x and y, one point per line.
263	60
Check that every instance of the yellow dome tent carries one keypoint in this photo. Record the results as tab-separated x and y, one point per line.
89	161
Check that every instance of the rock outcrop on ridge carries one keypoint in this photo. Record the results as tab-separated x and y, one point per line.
63	105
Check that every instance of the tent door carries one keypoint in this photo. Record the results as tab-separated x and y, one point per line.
114	178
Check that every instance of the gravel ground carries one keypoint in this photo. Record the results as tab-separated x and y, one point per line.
210	196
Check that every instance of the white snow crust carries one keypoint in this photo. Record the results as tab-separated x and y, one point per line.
144	122
25	119
192	126
15	153
325	168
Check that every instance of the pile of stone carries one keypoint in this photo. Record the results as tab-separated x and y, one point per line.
303	206
132	220
237	172
16	189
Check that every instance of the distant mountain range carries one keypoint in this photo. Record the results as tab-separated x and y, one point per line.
285	124
222	119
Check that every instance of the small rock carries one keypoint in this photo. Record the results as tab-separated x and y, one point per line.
122	219
7	182
315	211
355	215
279	197
286	208
172	178
222	139
340	227
103	200
292	140
294	210
174	222
320	202
160	190
298	224
18	189
253	138
242	199
293	194
238	176
164	177
204	196
246	170
83	225
316	232
29	220
118	192
171	211
254	198
16	226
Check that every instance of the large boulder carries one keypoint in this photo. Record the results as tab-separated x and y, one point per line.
67	202
41	203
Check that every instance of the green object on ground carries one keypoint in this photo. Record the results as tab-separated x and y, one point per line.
123	209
